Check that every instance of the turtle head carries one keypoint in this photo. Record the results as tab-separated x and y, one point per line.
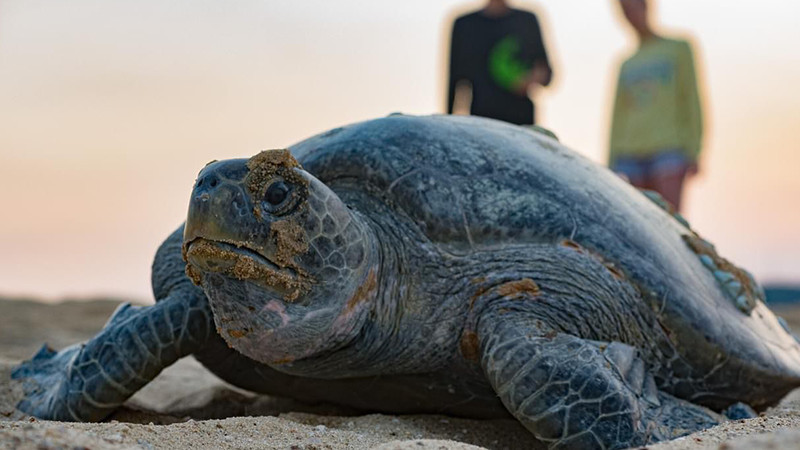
285	263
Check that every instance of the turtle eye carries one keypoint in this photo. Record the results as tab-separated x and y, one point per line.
279	198
276	193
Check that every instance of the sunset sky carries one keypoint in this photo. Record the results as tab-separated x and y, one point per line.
108	109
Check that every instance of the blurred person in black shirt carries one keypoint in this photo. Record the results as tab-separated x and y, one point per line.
498	53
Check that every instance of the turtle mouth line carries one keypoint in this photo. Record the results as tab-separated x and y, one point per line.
233	258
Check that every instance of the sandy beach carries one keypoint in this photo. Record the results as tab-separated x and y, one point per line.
188	407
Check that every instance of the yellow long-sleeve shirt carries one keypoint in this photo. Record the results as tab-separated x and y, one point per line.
657	105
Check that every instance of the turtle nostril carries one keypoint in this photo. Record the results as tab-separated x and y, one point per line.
207	182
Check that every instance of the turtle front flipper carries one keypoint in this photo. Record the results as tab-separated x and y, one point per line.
86	382
576	393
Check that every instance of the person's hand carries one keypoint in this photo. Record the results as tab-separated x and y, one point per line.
540	74
522	86
537	76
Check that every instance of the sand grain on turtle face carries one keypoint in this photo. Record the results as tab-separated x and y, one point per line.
244	267
287	232
265	166
290	240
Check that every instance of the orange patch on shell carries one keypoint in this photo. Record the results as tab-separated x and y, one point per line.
478	280
519	289
469	345
284	360
237	333
363	291
615	271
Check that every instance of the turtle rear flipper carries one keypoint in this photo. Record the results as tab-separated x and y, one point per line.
576	393
86	382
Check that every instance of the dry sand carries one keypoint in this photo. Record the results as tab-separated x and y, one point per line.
188	407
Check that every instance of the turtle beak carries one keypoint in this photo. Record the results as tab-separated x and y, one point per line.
219	208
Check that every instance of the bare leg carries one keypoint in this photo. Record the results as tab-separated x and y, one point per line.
640	182
670	186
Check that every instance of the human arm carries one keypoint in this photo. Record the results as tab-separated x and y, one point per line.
691	109
522	65
540	74
617	119
456	64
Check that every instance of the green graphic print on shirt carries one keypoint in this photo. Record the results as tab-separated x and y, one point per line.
505	68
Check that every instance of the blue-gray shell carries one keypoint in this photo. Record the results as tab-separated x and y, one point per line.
473	183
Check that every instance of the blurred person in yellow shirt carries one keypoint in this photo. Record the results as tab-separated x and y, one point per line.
657	122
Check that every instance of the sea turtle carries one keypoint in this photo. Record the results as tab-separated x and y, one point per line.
441	264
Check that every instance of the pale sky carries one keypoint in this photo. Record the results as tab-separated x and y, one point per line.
108	109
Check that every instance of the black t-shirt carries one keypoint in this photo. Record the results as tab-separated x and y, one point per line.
487	52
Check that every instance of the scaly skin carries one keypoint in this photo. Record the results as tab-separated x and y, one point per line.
88	381
574	376
444	265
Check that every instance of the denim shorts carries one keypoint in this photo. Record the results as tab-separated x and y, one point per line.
672	161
